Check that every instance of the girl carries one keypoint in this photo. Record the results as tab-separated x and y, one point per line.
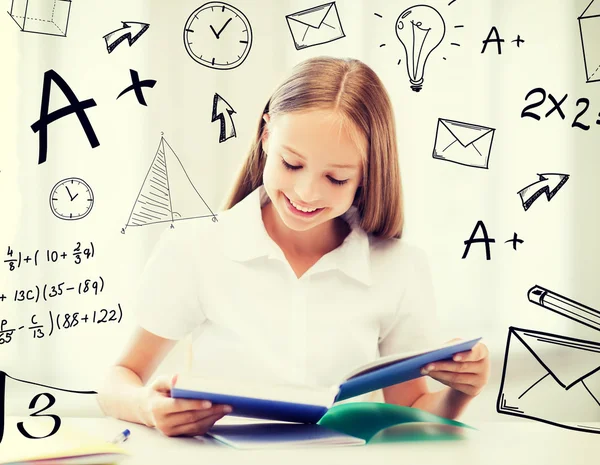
304	276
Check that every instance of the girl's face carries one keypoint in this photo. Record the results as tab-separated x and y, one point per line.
313	167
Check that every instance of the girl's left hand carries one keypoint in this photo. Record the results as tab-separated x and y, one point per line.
468	372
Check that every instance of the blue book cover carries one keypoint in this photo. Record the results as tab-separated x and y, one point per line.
301	405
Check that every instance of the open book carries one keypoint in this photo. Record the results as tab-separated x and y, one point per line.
305	403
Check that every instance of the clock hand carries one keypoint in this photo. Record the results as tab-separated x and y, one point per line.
72	198
214	32
221	30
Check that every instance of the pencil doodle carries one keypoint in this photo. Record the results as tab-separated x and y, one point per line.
589	31
137	85
463	143
71	199
131	30
420	29
564	306
549	184
315	26
75	106
226	49
543	387
167	193
51	400
49	17
220	107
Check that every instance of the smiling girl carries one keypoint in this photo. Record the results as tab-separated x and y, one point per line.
305	275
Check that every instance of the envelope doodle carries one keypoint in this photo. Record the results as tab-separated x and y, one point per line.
463	143
315	26
548	385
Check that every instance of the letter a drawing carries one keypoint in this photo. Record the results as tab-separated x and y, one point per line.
75	106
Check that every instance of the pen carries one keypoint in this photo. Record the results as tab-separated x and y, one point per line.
122	437
564	306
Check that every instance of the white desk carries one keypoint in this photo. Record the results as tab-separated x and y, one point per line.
506	443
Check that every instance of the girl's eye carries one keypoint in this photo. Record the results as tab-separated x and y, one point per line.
294	168
288	166
337	181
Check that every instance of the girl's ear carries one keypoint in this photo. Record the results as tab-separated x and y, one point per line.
265	133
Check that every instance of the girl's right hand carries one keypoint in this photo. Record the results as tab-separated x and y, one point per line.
179	417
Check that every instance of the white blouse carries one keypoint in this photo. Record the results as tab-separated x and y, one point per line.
230	284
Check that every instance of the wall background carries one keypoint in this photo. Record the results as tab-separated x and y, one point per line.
444	201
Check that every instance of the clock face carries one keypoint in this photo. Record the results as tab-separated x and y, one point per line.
71	199
218	35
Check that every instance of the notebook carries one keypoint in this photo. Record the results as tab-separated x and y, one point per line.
305	403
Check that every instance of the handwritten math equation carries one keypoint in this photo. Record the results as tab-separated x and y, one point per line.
50	291
61	322
17	259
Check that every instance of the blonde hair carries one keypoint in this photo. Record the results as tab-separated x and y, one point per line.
353	90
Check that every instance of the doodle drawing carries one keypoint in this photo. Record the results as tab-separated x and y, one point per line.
420	29
131	30
218	36
589	30
220	109
50	17
315	26
167	193
463	143
71	199
549	184
539	384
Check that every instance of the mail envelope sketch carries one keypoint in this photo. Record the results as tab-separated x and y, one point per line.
315	26
555	379
463	143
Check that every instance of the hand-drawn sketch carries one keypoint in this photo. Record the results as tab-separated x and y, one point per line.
315	26
463	143
549	184
564	306
167	193
542	386
50	17
131	30
71	199
219	109
46	402
589	30
137	85
218	36
420	29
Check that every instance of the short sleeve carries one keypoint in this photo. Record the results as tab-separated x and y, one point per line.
166	300
414	325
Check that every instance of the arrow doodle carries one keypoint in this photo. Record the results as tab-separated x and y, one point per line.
220	106
549	184
131	30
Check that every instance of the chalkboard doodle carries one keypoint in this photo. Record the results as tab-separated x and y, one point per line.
49	17
167	193
131	30
589	29
549	184
218	36
463	143
315	26
71	199
220	108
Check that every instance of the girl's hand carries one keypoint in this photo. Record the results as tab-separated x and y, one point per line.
468	372
179	417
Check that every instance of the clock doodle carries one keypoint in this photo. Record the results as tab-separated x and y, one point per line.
218	36
71	199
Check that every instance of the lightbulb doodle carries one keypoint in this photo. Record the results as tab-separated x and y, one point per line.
420	29
167	193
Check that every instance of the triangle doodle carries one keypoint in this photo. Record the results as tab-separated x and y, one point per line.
167	193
